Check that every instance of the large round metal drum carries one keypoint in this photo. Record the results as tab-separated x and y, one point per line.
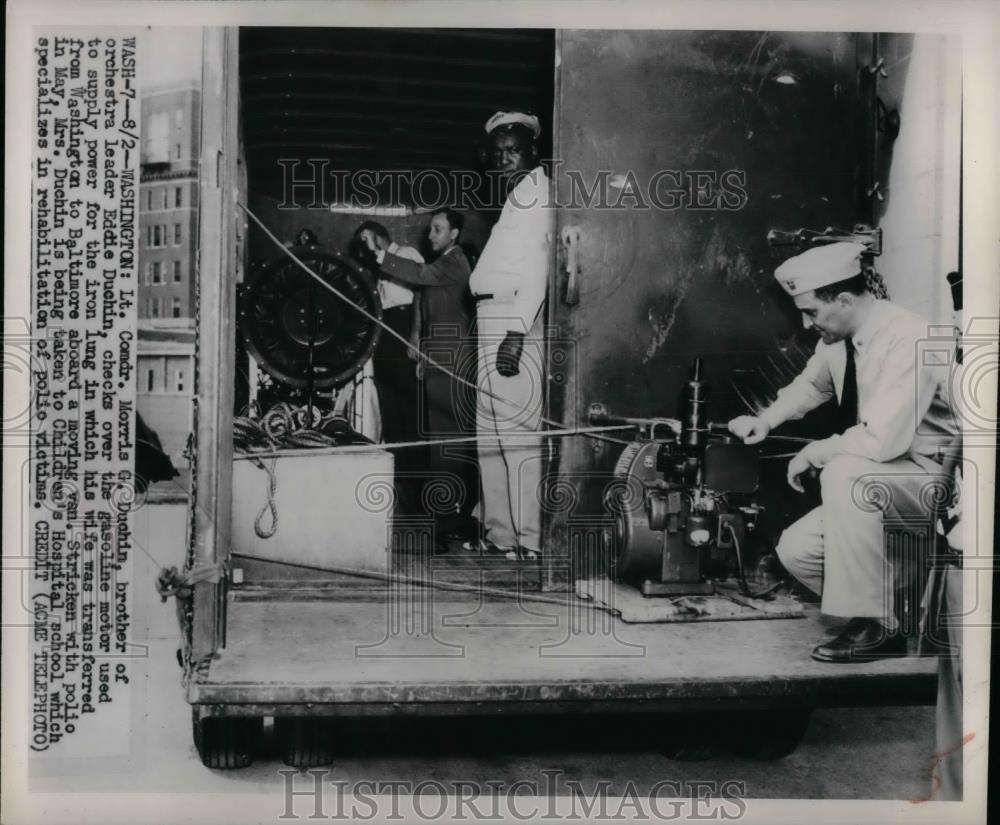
300	332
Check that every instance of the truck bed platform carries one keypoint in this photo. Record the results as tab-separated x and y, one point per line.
437	653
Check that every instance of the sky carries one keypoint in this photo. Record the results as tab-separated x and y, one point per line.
170	56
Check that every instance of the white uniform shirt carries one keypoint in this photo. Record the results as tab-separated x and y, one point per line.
393	293
514	265
902	405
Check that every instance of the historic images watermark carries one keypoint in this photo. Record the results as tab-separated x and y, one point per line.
314	795
312	183
966	363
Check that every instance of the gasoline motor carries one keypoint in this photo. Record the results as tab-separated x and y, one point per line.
683	502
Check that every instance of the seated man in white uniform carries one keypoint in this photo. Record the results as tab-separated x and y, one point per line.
895	420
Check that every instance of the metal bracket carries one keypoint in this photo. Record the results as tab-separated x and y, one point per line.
862	233
879	67
875	191
570	238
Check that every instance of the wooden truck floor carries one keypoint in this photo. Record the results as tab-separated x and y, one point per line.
437	652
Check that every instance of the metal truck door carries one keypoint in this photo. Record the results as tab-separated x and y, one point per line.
676	153
220	231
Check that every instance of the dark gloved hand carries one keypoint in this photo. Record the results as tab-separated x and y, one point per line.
509	354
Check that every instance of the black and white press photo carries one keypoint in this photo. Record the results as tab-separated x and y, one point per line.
437	412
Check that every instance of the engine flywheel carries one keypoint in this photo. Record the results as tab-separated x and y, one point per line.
301	333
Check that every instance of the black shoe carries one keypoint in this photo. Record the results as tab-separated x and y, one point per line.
861	640
460	529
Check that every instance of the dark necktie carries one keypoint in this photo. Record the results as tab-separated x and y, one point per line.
848	415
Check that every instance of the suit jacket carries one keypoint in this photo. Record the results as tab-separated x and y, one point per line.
446	303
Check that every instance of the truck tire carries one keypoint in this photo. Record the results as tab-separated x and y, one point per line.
226	742
769	734
688	737
303	742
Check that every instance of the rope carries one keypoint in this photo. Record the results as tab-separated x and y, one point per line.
172	582
285	428
337	449
271	506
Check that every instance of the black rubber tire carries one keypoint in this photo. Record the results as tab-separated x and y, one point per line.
688	737
226	742
768	734
304	742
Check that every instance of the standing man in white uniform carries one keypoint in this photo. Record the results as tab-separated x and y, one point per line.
895	422
509	284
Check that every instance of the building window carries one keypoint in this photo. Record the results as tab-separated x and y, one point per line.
156	139
149	199
180	381
158	235
178	119
177	151
166	195
178	197
175	308
150	380
177	234
177	272
149	237
156	308
157	273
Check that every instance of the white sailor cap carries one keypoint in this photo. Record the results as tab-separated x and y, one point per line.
820	266
508	118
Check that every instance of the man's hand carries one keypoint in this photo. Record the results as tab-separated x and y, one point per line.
413	351
368	239
509	354
797	467
751	428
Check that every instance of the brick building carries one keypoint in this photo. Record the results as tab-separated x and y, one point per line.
168	221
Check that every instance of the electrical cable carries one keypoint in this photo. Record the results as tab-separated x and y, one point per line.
477	589
744	587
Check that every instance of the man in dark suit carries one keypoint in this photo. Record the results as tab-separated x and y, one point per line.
446	337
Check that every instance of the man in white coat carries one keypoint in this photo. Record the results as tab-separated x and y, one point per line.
895	421
509	284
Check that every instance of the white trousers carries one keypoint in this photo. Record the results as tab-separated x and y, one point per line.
510	451
949	740
839	548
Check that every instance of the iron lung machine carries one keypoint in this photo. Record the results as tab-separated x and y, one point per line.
683	500
309	345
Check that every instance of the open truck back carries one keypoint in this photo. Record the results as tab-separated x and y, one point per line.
747	134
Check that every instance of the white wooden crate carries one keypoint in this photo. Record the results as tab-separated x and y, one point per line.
333	510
